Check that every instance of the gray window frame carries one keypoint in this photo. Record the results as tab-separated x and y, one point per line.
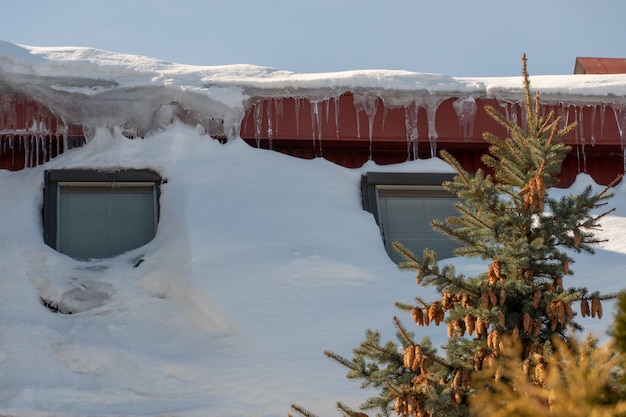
410	184
89	178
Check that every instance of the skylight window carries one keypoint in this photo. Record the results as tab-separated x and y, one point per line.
404	204
91	214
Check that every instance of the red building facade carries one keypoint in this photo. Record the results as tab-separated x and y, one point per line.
348	132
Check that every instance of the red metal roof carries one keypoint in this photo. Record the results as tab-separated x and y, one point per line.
587	65
340	131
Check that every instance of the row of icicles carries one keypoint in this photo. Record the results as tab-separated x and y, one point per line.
268	116
37	149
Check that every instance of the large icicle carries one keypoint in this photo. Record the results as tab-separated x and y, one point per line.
465	110
431	104
258	121
316	125
510	110
369	105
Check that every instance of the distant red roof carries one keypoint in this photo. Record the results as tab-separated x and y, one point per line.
585	65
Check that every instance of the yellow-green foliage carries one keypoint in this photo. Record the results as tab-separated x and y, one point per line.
619	331
578	380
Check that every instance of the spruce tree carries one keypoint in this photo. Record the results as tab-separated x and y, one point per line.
507	218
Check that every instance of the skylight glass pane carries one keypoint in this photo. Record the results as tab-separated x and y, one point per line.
101	222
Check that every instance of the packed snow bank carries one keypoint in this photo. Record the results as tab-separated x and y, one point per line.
231	308
260	263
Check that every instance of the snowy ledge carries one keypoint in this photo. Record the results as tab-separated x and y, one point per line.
90	71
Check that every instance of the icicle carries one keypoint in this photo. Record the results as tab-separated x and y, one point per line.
337	117
314	116
593	125
385	112
507	113
26	144
511	111
563	115
358	121
620	120
297	104
432	104
326	110
278	112
270	131
432	132
514	118
35	160
11	146
319	121
411	130
44	148
466	113
61	139
369	105
580	137
50	144
524	115
258	122
316	124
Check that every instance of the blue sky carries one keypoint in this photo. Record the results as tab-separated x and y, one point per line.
452	37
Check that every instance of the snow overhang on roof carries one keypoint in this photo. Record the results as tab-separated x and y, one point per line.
394	109
99	88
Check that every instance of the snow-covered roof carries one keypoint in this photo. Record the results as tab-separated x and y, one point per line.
98	87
